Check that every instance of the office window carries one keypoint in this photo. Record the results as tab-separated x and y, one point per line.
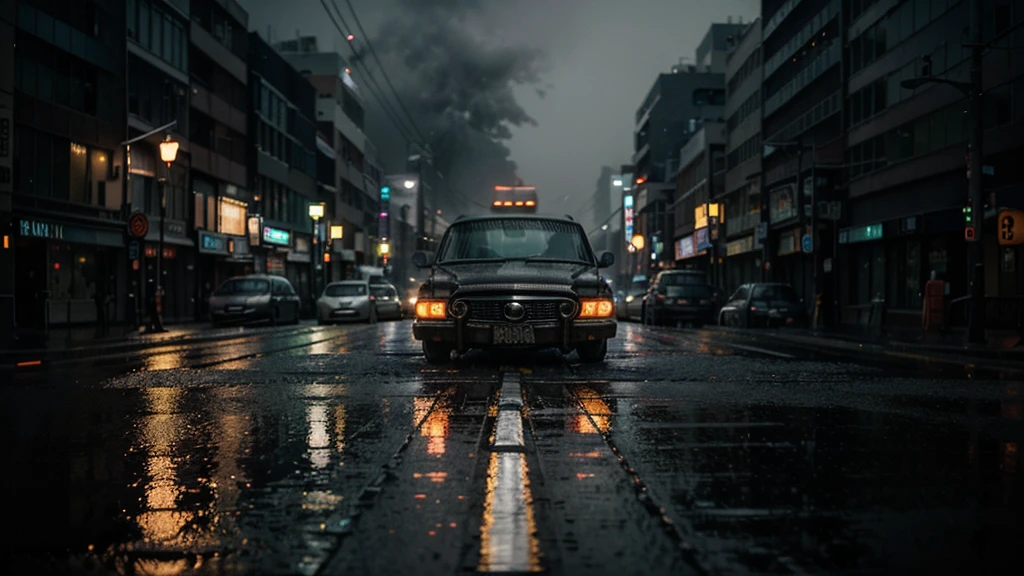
132	17
156	31
937	129
144	24
906	16
44	164
922	9
77	179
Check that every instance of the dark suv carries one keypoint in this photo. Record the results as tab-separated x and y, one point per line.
514	282
679	296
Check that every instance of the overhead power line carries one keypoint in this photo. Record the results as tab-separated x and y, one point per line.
383	71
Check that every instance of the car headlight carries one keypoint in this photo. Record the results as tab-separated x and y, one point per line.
629	298
412	301
431	309
598	308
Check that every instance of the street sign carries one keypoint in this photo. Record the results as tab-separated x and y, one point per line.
988	170
806	244
827	265
1011	227
138	225
133	251
762	232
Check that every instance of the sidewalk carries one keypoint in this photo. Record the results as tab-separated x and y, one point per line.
83	341
1001	347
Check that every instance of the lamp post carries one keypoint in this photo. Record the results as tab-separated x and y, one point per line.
168	154
316	212
973	230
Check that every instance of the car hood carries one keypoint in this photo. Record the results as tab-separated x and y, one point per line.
239	299
580	277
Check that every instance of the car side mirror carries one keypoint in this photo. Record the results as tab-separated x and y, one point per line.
607	259
423	259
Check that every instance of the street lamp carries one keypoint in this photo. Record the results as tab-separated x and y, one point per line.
168	154
316	212
409	184
971	89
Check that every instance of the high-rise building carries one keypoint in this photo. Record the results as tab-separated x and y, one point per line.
282	167
218	134
67	228
741	195
340	117
907	144
803	138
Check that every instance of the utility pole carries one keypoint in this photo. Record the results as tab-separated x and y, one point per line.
976	322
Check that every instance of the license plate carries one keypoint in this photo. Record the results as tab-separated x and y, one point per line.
682	301
513	334
235	308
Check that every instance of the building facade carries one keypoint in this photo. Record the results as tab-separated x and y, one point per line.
218	134
803	140
282	168
7	26
64	242
669	115
741	193
695	207
906	152
340	117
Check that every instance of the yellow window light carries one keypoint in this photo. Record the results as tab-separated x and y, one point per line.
602	308
431	309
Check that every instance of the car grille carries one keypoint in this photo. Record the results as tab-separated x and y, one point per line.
493	310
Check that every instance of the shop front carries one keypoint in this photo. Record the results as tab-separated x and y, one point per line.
66	273
789	265
221	257
297	270
177	271
688	256
742	262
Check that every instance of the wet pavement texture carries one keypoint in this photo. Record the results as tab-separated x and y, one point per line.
337	450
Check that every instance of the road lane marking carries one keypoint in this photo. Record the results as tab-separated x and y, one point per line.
508	436
507	534
761	351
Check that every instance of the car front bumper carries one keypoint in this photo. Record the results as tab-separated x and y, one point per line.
563	335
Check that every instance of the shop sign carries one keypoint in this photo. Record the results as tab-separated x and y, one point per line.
212	243
684	247
782	206
170	252
703	243
1011	227
627	211
739	246
860	234
275	265
276	236
787	244
36	229
255	223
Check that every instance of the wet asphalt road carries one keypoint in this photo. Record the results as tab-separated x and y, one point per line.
336	450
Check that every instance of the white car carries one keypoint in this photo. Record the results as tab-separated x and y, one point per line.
346	300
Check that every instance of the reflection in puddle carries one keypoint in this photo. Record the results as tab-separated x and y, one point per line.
317	438
169	361
435	427
596	416
162	520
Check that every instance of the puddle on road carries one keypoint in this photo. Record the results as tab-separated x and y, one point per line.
148	478
820	489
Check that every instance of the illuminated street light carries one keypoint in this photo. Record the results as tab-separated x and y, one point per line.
409	184
316	211
638	241
169	151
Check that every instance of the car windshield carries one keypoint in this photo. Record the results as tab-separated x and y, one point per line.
380	291
683	279
688	291
514	238
243	286
339	290
775	293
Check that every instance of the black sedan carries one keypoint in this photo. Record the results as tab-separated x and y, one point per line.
764	305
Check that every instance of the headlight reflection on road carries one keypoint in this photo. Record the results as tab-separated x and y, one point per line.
597	409
435	427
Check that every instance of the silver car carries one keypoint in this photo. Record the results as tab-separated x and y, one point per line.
255	297
346	300
387	302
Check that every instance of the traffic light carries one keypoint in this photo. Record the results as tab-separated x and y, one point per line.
969	230
385	192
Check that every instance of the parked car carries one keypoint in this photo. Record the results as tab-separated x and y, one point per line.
387	302
256	297
764	304
634	304
669	303
524	282
346	300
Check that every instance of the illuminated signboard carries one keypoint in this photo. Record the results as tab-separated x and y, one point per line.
276	236
627	213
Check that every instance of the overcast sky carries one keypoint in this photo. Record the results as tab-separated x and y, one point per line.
599	59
